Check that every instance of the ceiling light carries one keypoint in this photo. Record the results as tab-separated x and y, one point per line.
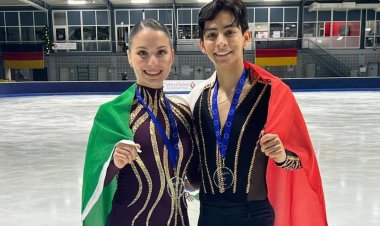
368	29
339	38
76	2
139	1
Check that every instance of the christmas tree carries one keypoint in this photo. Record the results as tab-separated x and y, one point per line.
48	40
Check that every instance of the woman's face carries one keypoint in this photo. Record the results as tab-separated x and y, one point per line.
151	57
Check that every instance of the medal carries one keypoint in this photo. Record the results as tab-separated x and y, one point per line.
223	176
176	185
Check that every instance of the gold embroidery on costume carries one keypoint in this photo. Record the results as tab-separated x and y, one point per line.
236	160
173	209
185	108
219	164
200	159
175	202
140	184
180	160
147	175
135	113
167	176
150	185
183	119
257	144
291	163
156	157
138	117
139	121
204	147
178	167
135	125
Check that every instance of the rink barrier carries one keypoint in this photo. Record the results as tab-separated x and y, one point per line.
117	87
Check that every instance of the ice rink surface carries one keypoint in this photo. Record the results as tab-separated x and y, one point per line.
43	141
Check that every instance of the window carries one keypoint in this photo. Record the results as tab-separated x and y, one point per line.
2	34
27	34
40	19
103	33
188	24
73	18
26	18
333	29
13	34
75	33
274	23
290	30
184	24
122	17
60	34
89	29
39	33
261	30
309	30
165	16
153	14
136	16
22	26
125	19
102	18
2	22
88	17
372	29
89	33
59	18
11	19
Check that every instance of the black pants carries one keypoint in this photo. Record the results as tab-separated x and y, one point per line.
252	213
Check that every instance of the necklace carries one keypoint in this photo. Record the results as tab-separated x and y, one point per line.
227	98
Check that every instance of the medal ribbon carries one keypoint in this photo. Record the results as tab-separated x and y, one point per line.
223	143
172	143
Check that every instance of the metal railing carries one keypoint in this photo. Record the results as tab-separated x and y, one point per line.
327	59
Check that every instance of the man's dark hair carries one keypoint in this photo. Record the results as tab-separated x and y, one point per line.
147	23
210	11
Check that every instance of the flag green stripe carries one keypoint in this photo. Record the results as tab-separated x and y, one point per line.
111	124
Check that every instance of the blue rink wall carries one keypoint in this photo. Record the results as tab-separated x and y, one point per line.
116	87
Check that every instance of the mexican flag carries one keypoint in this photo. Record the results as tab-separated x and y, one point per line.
111	124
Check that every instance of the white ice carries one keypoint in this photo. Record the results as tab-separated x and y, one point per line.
43	140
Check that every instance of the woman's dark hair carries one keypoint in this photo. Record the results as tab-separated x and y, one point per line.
147	23
211	10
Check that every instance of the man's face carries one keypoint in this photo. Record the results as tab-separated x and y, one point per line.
223	41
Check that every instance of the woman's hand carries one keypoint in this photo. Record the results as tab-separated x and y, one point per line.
272	147
125	153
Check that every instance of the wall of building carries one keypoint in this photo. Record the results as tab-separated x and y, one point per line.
189	65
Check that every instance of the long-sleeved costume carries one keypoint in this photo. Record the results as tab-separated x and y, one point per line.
294	189
138	195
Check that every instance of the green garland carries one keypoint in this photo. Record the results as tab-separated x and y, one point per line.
48	40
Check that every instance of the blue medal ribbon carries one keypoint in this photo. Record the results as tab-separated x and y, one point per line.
172	143
223	143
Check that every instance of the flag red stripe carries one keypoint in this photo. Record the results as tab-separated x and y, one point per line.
276	52
23	55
